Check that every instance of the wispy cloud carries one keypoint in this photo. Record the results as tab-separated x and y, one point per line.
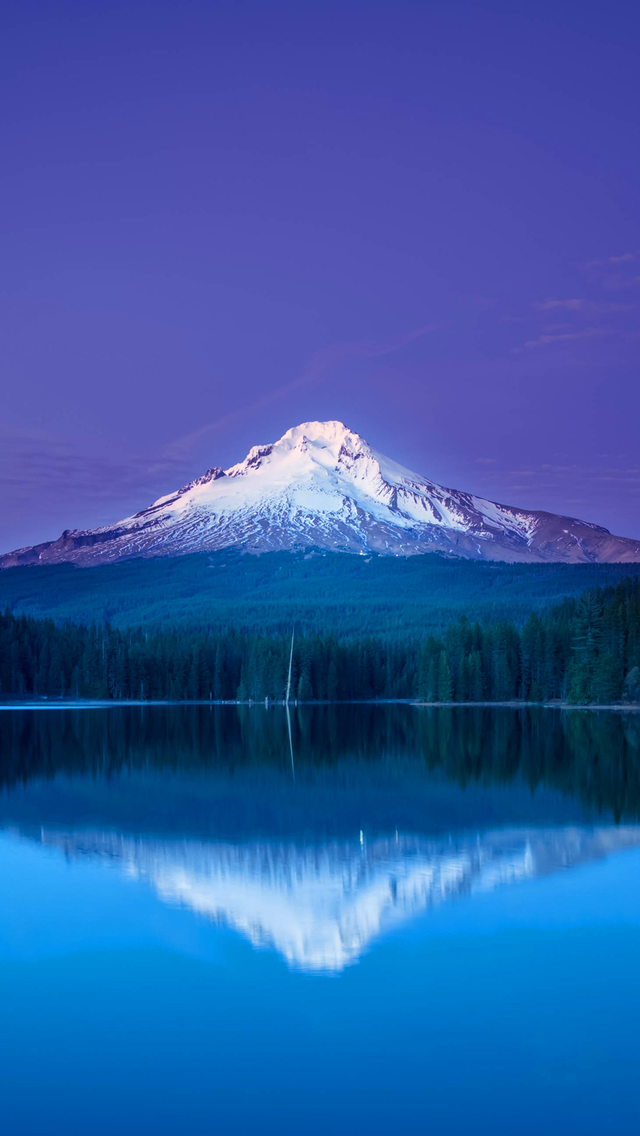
39	465
624	258
323	362
569	488
567	305
589	306
614	272
553	337
591	317
557	477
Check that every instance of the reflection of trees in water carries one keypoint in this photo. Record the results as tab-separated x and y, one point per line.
593	756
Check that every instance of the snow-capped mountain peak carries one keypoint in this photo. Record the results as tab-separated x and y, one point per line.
322	485
314	451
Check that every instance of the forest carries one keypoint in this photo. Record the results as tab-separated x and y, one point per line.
386	597
583	650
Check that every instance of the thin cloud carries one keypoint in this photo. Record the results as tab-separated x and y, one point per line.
555	477
624	258
618	282
553	337
40	465
589	307
612	272
568	305
43	465
589	318
329	358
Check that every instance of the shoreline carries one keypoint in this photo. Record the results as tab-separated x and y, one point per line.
514	704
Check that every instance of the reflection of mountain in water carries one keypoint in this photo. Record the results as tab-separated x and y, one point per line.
321	906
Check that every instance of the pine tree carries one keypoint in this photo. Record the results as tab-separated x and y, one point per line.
445	681
631	690
475	677
305	689
332	681
587	636
606	683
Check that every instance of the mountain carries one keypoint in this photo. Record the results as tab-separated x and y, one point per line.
322	906
323	486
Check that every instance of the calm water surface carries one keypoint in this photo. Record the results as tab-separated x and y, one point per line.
403	919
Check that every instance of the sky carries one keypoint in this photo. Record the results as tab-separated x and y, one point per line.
220	220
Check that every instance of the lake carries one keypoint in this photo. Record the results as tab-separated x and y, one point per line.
365	919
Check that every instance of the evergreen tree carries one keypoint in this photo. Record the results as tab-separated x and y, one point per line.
445	681
631	689
586	650
305	690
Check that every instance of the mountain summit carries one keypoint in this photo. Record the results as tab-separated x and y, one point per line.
321	485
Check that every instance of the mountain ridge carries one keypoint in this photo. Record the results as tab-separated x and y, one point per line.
321	485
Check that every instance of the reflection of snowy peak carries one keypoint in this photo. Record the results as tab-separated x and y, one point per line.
321	906
322	485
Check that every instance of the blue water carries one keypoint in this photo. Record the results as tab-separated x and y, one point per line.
195	937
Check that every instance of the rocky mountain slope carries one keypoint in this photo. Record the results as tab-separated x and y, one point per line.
323	486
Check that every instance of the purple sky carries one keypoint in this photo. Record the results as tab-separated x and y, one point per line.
222	219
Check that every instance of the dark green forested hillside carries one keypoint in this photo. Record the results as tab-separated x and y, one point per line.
330	594
585	650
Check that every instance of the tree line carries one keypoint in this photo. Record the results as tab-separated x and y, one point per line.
582	650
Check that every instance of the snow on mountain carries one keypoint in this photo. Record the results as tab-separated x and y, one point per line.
322	906
321	485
